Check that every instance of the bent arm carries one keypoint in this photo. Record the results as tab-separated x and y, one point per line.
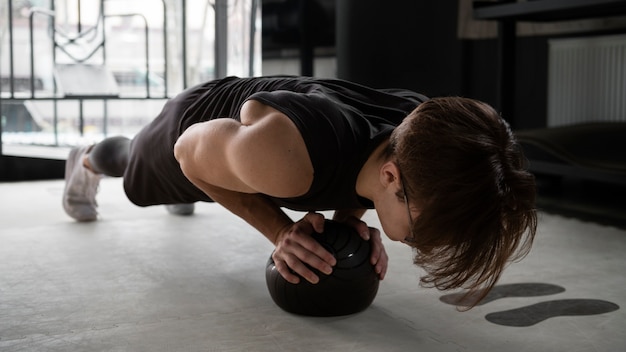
255	209
237	163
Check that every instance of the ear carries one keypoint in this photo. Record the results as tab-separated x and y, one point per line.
390	175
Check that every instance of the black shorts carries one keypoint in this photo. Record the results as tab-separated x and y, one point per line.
153	176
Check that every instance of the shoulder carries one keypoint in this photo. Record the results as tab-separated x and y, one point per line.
269	152
255	111
271	130
264	153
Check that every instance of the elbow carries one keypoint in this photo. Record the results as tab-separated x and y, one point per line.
197	153
188	152
186	144
179	150
184	154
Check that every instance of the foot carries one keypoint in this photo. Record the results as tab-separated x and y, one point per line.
180	209
81	186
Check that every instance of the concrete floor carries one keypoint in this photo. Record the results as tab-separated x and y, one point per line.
142	280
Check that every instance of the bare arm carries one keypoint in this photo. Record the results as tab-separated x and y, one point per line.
237	164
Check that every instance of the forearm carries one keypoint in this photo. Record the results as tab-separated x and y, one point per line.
255	209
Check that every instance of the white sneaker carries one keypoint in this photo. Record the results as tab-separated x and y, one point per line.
81	186
180	209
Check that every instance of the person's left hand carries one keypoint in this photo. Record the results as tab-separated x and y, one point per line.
379	256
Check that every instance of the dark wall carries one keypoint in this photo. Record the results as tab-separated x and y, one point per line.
480	78
414	44
403	44
531	77
14	168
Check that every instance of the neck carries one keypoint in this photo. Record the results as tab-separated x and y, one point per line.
367	181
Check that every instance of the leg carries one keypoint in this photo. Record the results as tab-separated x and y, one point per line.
109	157
151	173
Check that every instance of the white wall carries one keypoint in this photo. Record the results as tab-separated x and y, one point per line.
324	67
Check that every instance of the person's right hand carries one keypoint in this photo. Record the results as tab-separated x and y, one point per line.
295	247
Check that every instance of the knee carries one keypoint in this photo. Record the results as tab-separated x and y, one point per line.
110	156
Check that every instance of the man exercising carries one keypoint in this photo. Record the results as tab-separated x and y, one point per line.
444	175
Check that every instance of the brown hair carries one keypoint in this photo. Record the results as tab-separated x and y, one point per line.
466	173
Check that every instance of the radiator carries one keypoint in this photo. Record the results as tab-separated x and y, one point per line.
586	80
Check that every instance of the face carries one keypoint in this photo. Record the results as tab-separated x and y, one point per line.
394	213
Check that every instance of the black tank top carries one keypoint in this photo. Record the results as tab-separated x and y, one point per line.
341	122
